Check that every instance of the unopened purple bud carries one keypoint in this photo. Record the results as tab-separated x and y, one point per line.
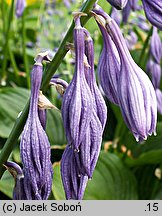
116	15
136	94
42	117
156	46
118	4
98	101
149	65
109	67
159	100
133	4
155	72
153	11
34	145
141	22
126	13
77	99
17	173
20	6
74	181
131	39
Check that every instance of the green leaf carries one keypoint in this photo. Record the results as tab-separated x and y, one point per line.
151	157
7	184
55	129
57	187
12	102
149	185
111	181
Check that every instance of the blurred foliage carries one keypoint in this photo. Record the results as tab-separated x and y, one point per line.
125	169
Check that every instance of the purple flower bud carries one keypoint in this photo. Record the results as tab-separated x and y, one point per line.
17	173
133	4
109	67
136	94
155	46
42	117
155	74
20	5
153	11
73	181
141	22
116	15
159	100
118	4
34	145
98	101
149	65
77	100
126	13
131	39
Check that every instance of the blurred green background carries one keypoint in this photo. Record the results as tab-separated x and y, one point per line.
125	169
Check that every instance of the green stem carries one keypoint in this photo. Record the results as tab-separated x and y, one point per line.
145	47
19	124
3	16
25	57
13	62
5	48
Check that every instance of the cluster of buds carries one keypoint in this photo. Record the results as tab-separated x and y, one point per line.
131	87
84	116
154	65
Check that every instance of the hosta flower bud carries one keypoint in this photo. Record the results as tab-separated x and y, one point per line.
155	46
118	4
149	65
131	39
159	100
17	173
116	15
34	144
155	74
98	101
141	22
153	11
109	67
136	95
20	5
133	4
73	181
126	13
77	99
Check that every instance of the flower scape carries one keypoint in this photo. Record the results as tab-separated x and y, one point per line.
115	82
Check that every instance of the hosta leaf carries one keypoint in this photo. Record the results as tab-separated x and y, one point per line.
55	129
150	157
57	187
7	184
111	181
12	101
